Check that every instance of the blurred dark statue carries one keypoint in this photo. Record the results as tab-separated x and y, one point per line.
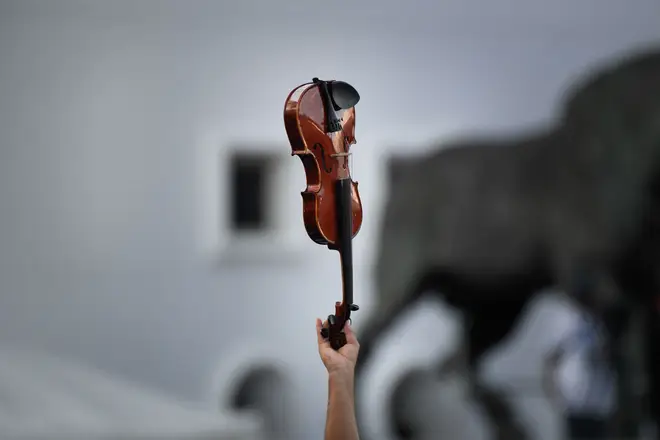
487	224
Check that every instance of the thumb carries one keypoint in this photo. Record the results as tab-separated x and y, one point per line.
350	336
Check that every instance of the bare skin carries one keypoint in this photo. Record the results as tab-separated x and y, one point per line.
341	423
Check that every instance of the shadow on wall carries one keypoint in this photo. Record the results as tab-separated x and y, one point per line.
262	390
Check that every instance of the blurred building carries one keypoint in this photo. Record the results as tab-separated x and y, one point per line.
132	133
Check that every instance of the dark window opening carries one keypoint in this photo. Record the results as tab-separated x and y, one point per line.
249	185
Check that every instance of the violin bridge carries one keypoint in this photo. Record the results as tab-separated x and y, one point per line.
346	163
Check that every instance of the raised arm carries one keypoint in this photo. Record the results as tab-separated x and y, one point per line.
341	423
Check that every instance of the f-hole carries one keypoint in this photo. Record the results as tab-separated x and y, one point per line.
263	390
327	168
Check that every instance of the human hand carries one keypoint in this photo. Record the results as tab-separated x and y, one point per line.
340	361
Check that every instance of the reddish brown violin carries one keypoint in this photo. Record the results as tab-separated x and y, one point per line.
319	118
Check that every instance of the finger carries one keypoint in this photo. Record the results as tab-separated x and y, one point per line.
322	342
350	336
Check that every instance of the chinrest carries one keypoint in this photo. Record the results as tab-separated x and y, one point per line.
343	95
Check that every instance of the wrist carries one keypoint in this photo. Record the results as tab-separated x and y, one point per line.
342	377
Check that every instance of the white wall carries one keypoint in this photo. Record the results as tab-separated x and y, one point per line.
114	118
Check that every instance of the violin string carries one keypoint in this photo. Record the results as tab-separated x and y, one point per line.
349	162
346	154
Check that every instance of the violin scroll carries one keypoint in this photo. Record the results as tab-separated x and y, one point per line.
334	332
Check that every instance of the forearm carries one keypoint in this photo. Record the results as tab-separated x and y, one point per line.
341	423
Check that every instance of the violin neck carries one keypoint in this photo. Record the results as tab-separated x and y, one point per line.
343	197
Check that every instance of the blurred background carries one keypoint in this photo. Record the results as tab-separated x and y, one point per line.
140	297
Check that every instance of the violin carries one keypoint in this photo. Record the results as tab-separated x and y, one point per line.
319	118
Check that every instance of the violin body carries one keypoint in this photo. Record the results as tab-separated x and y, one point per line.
319	118
305	124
